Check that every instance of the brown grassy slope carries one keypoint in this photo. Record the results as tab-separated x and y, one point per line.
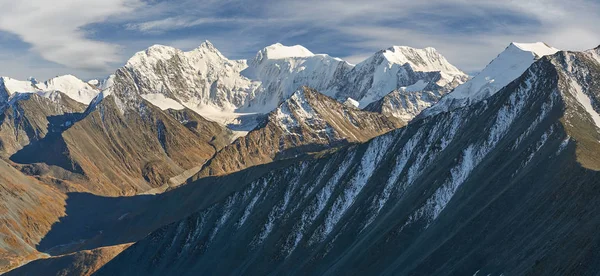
28	209
82	263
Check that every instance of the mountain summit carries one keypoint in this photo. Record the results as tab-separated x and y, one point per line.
221	89
509	64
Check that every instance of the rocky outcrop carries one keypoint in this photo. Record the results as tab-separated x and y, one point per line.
306	122
29	117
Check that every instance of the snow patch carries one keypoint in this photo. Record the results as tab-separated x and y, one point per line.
351	102
162	102
585	102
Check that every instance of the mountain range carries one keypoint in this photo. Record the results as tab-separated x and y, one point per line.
291	162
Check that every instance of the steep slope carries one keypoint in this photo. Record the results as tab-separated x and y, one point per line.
29	117
403	68
503	186
28	208
306	122
82	263
116	149
404	105
509	65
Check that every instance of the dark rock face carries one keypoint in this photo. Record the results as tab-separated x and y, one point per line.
506	186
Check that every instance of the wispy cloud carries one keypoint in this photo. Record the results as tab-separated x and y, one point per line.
174	23
56	29
469	33
98	35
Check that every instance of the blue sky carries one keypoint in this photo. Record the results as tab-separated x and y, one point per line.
92	38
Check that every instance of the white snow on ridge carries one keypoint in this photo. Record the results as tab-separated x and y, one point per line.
424	60
509	65
16	86
586	102
73	87
162	102
539	48
152	55
351	102
70	85
595	53
385	71
279	51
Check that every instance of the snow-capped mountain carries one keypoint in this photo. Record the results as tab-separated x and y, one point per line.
223	90
502	186
69	85
509	64
200	78
403	68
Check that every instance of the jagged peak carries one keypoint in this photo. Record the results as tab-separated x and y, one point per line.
153	54
206	48
507	66
425	59
158	52
207	45
301	95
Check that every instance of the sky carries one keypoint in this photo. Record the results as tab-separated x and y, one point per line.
92	38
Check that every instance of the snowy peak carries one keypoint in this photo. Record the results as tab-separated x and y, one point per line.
540	49
152	55
401	67
424	60
158	52
280	51
206	49
509	65
207	82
